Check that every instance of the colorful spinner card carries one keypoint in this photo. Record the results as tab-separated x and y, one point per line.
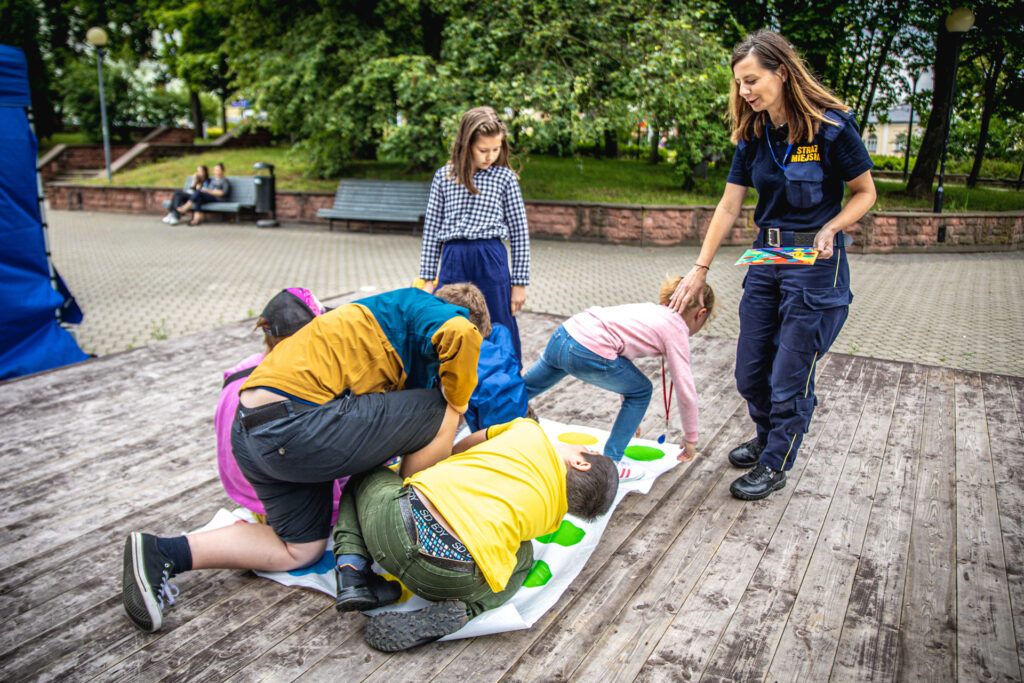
804	256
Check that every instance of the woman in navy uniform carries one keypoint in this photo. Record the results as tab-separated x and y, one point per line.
797	145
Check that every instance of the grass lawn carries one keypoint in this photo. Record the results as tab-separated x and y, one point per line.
46	144
623	181
956	198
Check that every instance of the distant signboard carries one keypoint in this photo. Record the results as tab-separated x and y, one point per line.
244	104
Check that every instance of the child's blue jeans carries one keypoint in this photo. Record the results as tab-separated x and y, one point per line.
566	356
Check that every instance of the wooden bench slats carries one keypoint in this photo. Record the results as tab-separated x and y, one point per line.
391	201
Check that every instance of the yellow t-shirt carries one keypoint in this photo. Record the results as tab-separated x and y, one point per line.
499	493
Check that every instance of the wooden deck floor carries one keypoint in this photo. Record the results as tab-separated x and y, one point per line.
894	552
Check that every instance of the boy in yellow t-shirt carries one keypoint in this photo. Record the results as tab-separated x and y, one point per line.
458	533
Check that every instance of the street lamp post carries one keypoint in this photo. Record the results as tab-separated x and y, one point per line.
958	23
98	38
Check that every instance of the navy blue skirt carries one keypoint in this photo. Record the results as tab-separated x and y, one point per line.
485	264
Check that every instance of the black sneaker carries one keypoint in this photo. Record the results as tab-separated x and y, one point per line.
146	582
746	454
394	631
359	591
758	483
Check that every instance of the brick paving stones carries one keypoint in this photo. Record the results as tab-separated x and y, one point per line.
139	281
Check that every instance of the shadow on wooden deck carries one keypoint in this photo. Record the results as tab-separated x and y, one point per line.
894	552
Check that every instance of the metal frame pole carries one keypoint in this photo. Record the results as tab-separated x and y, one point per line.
103	110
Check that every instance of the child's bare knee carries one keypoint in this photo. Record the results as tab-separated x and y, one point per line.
305	554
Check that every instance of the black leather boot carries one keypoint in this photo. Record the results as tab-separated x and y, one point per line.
362	590
758	483
746	454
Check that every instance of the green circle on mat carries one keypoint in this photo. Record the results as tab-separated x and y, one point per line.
644	453
566	534
578	438
539	575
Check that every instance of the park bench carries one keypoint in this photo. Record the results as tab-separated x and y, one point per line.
386	201
243	195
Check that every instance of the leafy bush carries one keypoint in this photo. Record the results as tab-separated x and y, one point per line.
890	163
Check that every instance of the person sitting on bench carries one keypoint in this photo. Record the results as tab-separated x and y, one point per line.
214	191
458	533
197	182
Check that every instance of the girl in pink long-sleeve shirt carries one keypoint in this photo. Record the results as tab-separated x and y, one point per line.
598	346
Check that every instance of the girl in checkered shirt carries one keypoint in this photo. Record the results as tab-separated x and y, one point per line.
474	204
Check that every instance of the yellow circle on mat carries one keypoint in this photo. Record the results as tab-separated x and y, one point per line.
578	438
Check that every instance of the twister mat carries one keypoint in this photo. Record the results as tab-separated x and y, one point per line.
558	557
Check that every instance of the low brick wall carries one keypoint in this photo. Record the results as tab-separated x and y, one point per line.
74	157
619	223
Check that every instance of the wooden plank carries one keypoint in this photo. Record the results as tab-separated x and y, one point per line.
831	517
985	642
253	630
926	650
594	610
1009	470
320	649
102	636
758	538
623	648
808	644
1004	408
423	666
489	658
686	647
869	637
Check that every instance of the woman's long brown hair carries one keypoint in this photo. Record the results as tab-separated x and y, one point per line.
804	99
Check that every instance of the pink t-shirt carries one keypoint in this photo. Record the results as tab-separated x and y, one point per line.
235	483
642	331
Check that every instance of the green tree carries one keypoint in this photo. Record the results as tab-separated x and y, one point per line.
993	63
192	40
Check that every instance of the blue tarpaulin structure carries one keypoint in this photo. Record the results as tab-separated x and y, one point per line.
31	338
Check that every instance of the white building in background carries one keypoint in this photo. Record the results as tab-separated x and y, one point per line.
890	138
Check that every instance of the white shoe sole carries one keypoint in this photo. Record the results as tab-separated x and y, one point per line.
133	556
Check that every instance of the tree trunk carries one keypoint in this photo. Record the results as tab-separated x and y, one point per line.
655	137
920	184
879	65
611	144
223	112
864	83
197	112
991	78
432	25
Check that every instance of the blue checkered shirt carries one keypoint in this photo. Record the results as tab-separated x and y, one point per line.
455	214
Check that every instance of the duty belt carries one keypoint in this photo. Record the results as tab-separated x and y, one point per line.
777	237
261	415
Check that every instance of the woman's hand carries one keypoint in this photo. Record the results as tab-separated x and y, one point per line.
823	241
518	298
862	198
689	287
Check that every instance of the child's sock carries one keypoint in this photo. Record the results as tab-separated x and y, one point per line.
357	562
176	549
